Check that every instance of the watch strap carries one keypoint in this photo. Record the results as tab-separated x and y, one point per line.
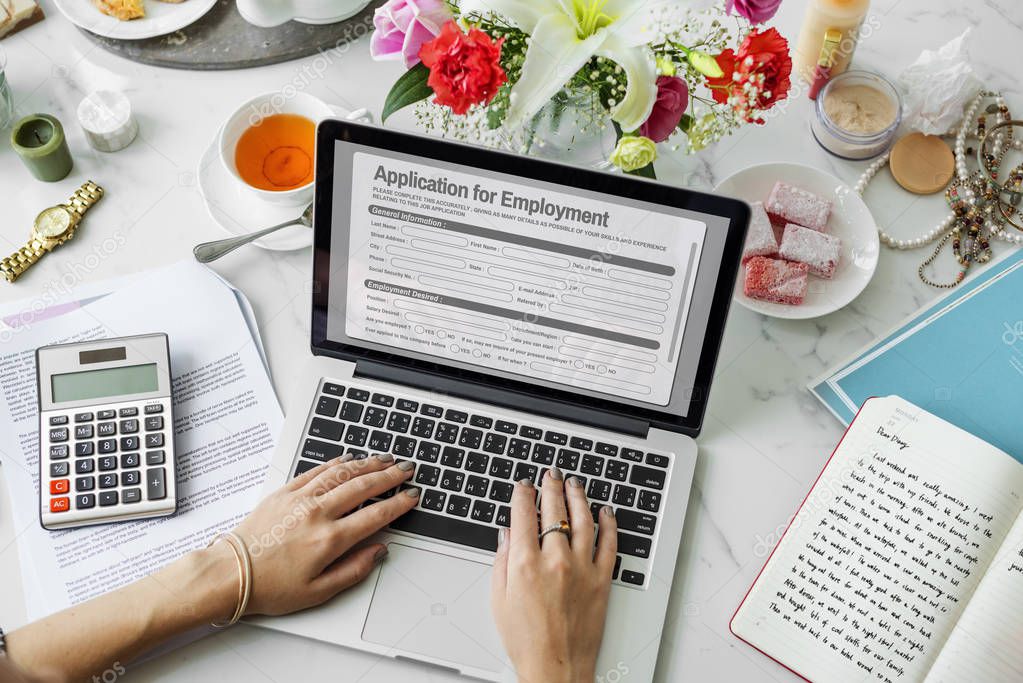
17	263
84	197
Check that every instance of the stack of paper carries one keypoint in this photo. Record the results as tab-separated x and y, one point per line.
225	425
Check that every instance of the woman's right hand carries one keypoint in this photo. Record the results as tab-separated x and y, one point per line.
550	598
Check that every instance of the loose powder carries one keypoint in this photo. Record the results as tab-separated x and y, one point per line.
860	109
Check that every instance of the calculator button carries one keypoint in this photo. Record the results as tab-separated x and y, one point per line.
58	452
129	443
129	460
131	495
85	466
58	435
85	483
83	432
154	484
107	445
60	504
108	481
107	463
83	417
155	457
130	478
129	426
107	498
128	412
84	501
154	440
58	486
106	429
84	448
153	408
57	420
153	423
106	414
59	469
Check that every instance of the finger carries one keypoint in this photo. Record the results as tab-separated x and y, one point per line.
552	510
307	476
499	580
522	537
341	472
349	570
373	518
358	490
580	517
607	541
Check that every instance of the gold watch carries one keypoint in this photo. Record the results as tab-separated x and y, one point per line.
53	226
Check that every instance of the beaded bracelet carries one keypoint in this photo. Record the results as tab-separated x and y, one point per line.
241	554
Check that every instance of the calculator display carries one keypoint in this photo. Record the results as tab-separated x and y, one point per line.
124	381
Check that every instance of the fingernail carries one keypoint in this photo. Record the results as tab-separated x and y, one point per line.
556	474
380	555
384	457
575	482
406	465
502	536
525	482
413	492
347	457
607	511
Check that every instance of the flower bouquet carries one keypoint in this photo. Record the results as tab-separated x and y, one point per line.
655	71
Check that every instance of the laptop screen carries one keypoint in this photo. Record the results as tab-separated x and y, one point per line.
558	286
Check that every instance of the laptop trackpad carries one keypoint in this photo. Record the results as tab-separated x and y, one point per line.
437	605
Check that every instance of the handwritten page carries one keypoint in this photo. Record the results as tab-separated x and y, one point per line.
879	563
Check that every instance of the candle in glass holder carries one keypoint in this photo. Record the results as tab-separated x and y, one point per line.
39	141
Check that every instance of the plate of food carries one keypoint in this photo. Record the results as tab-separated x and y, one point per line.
812	245
133	19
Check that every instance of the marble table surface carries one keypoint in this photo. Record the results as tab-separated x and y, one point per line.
765	438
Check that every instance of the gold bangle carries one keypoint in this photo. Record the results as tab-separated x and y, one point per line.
241	554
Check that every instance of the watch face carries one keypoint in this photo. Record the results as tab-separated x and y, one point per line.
53	222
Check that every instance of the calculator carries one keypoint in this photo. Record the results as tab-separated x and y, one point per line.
106	437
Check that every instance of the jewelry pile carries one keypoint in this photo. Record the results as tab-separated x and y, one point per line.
982	207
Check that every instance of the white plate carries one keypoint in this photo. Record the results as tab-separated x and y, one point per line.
161	18
850	221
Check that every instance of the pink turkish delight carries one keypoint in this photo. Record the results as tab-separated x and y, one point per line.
818	251
791	204
782	282
760	239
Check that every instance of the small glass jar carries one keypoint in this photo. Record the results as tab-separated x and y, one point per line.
858	136
6	99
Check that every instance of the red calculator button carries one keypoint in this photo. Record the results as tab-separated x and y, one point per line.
59	486
60	504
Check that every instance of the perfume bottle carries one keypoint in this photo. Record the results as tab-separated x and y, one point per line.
825	62
845	16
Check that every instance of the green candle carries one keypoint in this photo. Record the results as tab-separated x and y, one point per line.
39	141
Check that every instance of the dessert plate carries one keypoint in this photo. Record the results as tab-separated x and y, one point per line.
161	18
850	221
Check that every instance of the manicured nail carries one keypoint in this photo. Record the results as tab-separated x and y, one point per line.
607	511
556	474
575	482
406	465
347	457
384	457
525	482
380	555
502	537
413	492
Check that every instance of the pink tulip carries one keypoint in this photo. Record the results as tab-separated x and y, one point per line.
757	11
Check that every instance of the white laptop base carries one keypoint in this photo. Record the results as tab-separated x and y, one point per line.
430	599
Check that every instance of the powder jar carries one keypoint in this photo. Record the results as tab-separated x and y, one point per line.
856	115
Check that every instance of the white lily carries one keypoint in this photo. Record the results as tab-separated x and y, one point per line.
564	36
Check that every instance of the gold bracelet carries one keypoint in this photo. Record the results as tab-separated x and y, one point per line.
241	554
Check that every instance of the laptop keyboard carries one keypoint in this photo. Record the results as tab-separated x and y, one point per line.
467	463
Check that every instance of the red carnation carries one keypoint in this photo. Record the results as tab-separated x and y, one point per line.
756	77
465	68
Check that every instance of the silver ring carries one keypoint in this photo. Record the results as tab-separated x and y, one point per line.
562	527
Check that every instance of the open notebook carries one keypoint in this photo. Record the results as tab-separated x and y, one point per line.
904	562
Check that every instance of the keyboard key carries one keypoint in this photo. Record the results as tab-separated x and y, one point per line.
452	480
129	460
618	567
447	529
326	429
58	420
154	423
543	454
128	412
481	422
106	429
636	546
83	432
85	466
62	504
501	491
501	468
640	522
617	470
151	409
86	448
519	448
456	416
495	443
580	443
476	485
85	501
645	476
458	506
399	422
107	498
333	389
592	465
58	435
477	462
132	426
301	467
568	460
534	433
358	394
327	406
111	414
606	449
506	427
428	451
483	511
84	417
351	411
108	481
599	490
58	452
629	576
452	457
624	495
58	486
422	427
503	516
155	457
108	463
356	435
632	454
404	447
447	432
130	478
59	469
649	501
432	411
433	500
155	489
375	417
131	495
427	475
657	460
382	400
380	442
556	438
312	449
524	470
470	438
407	405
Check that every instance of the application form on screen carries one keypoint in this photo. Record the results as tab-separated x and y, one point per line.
562	287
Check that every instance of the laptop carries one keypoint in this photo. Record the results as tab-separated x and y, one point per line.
490	316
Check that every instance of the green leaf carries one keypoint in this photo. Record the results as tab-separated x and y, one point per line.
409	89
705	64
686	124
646	172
